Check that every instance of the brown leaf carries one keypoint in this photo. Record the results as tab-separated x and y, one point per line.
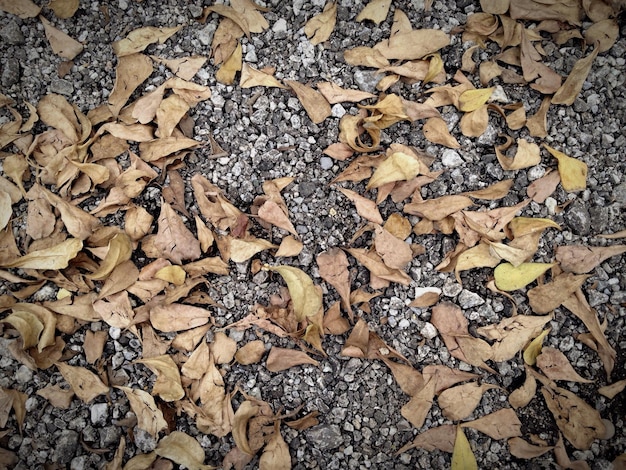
611	391
213	205
272	212
604	32
86	384
305	422
319	28
62	44
78	223
540	189
521	396
116	310
436	131
537	124
375	265
546	297
526	155
459	402
425	297
409	379
313	101
138	39
556	366
280	359
439	208
167	384
242	249
184	67
55	257
251	77
335	94
131	71
580	423
416	410
414	44
223	348
333	268
289	247
581	259
149	416
523	450
177	317
275	455
119	250
57	396
438	438
396	253
512	334
365	207
250	353
501	424
182	449
474	123
22	8
173	240
569	91
94	345
398	166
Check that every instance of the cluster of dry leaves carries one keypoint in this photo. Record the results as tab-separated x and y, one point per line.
104	160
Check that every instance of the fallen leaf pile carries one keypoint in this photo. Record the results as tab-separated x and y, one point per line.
84	231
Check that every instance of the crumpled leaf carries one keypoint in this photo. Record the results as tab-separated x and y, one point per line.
280	359
86	384
546	297
398	166
509	277
61	44
230	67
275	455
246	410
527	155
149	416
55	257
569	91
319	28
555	365
333	268
167	384
28	325
573	172
182	449
500	424
459	402
580	423
138	39
251	77
377	267
612	390
396	253
305	296
581	259
119	250
522	396
462	456
512	334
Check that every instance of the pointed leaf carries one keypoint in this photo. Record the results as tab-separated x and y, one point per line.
305	296
509	277
462	455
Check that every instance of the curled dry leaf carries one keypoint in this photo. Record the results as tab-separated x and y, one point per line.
611	391
398	166
243	249
305	296
319	28
230	67
474	123
521	397
603	32
275	455
86	384
509	277
573	172
28	326
182	449
138	39
462	456
527	155
167	384
534	348
335	94
55	257
119	250
377	267
523	450
280	359
556	366
250	353
512	334
583	259
149	416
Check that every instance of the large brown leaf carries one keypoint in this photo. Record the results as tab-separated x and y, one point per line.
333	268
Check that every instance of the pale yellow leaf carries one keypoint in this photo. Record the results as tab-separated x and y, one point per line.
61	44
251	77
182	449
534	348
319	28
55	257
398	166
509	277
573	172
167	385
138	39
305	296
462	456
375	10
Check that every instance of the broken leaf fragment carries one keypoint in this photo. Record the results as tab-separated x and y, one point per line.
305	296
86	384
149	416
573	172
280	359
61	44
167	385
581	259
138	39
509	277
375	10
312	101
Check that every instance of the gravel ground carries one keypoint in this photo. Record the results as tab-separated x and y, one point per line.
266	134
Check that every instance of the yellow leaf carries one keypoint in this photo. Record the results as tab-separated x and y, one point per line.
139	39
182	449
251	77
534	348
174	274
398	167
471	100
149	416
64	8
232	65
55	257
119	250
462	456
573	172
167	385
435	67
521	226
510	278
305	296
319	28
243	414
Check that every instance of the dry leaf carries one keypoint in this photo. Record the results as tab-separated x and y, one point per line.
149	416
182	449
312	101
426	297
375	265
573	172
64	8
232	65
22	8
167	384
537	124
119	250
500	424
527	155
305	296
540	189
459	402
57	396
250	353
319	28
223	348
555	366
398	166
604	32
333	268
61	44
213	205
177	317
534	348
275	455
335	94
414	44
522	396
512	334
365	57
580	423
251	77
55	257
138	39
436	131
365	207
280	359
568	92
523	450
441	437
184	67
416	410
439	208
275	212
395	253
546	297
131	71
474	123
471	100
462	456
289	246
94	344
86	384
581	259
611	391
242	249
28	325
375	10
509	277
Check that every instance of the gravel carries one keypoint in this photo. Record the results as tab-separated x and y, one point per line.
359	401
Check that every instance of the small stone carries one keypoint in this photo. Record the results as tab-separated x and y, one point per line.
79	463
366	80
99	413
280	26
250	54
597	298
144	441
551	205
578	218
123	4
65	446
12	34
23	375
326	163
306	188
115	332
619	194
428	331
451	289
469	299
10	73
205	35
607	140
499	95
404	324
337	111
62	87
451	158
195	10
325	437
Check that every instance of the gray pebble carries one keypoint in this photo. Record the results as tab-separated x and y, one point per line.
144	441
451	288
205	35
428	331
451	158
619	194
23	375
62	87
596	298
10	73
280	26
12	33
325	437
326	163
65	446
99	413
195	10
578	218
367	80
469	299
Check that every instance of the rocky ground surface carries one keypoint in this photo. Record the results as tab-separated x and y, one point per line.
266	134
